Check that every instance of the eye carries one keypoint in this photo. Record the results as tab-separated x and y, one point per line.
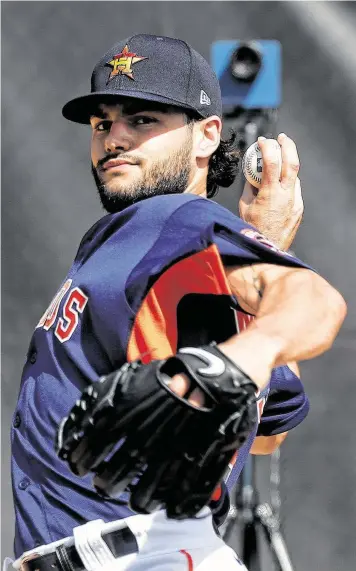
102	126
143	120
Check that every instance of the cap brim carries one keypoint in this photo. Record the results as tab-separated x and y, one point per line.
82	108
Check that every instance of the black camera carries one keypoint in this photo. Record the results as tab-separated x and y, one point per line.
246	62
250	73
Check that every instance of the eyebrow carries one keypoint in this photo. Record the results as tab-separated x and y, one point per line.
131	108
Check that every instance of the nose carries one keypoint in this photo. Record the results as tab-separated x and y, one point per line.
119	138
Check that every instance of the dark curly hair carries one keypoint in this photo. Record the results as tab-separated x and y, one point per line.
224	162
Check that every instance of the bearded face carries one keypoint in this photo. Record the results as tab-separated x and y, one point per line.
138	154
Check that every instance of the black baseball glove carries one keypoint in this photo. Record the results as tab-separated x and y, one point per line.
135	434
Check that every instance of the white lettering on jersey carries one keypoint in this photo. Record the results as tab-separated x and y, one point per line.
74	304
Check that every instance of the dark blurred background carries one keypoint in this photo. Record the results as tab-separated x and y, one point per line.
49	201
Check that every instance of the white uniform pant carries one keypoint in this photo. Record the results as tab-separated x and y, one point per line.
163	545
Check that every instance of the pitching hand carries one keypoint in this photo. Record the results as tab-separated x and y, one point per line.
276	208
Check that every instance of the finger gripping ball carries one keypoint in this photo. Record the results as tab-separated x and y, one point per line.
252	164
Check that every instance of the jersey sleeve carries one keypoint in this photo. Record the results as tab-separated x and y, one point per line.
197	239
287	404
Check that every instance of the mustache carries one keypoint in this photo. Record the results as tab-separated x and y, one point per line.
134	159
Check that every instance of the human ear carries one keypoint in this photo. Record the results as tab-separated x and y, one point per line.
208	136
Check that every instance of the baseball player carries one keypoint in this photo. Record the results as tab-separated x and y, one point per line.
187	315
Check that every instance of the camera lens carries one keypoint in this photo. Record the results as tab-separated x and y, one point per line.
246	62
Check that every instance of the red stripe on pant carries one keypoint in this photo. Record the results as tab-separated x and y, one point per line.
189	558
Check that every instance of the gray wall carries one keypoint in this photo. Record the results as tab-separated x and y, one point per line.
48	51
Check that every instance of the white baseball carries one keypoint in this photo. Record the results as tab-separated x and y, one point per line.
252	164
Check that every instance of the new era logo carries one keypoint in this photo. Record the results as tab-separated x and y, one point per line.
204	98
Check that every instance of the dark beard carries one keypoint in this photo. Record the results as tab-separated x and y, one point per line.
170	176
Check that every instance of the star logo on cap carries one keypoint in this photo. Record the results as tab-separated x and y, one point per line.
122	63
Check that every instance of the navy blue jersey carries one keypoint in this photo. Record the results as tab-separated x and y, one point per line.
144	283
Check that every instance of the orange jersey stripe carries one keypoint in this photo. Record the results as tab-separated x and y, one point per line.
154	333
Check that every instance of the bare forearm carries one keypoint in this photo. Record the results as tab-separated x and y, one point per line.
301	313
298	317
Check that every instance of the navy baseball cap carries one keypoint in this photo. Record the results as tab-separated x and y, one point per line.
153	68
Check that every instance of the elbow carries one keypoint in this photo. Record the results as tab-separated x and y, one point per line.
341	307
338	307
337	311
